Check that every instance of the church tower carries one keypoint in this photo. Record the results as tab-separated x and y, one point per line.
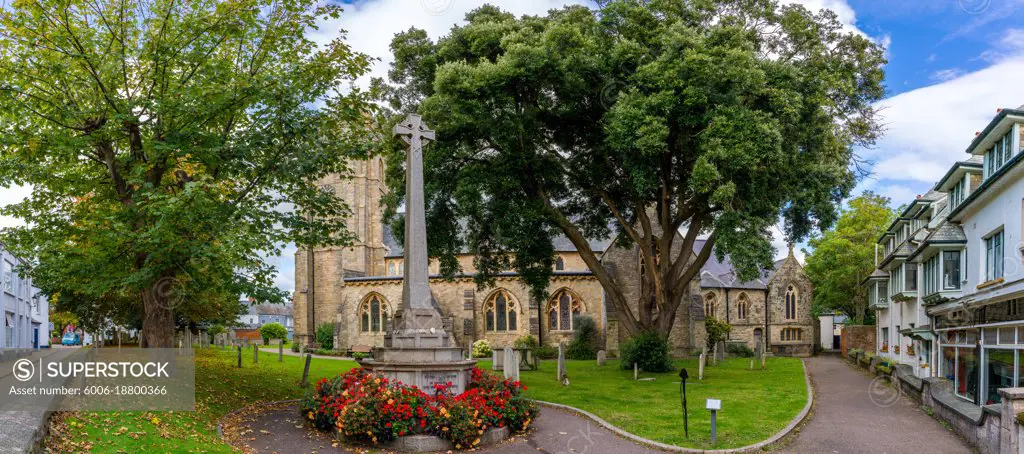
319	277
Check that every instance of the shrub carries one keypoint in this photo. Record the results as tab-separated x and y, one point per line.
741	350
584	339
717	331
528	342
325	336
648	350
295	347
216	330
360	355
273	331
369	408
546	352
481	348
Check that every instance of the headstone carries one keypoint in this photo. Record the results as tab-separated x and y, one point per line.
255	354
636	372
720	351
497	360
239	356
280	352
758	349
700	367
511	364
712	358
751	363
561	362
305	371
601	357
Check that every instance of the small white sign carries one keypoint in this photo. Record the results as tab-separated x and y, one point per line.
714	404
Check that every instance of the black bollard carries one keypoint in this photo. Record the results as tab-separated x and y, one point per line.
305	370
682	395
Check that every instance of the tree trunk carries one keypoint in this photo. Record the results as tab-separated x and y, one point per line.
158	324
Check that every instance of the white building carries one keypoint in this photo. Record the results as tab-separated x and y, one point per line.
949	289
26	310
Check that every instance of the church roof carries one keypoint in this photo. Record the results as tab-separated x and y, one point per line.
561	243
722	274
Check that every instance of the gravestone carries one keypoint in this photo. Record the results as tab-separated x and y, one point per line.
561	362
720	351
497	360
418	350
636	371
511	368
700	367
601	357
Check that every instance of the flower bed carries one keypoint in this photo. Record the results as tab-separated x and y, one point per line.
371	409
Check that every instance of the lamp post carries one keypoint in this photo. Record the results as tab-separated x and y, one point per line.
682	395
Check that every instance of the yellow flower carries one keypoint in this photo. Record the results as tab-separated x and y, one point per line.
155	421
458	446
344	393
444	429
480	432
477	441
374	439
310	416
391	401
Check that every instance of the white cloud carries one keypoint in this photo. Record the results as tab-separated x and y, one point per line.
9	195
943	75
928	129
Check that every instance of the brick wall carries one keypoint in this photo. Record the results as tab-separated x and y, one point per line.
858	336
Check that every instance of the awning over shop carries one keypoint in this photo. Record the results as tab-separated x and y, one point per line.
921	333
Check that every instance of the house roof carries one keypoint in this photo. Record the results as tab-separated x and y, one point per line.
876	274
722	274
992	125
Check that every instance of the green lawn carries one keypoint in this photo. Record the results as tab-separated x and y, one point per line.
755	404
220	388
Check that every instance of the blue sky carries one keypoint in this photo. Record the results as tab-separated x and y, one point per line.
952	63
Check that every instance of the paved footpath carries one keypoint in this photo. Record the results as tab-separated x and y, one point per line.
845	420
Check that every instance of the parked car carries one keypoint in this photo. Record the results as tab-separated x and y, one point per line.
71	339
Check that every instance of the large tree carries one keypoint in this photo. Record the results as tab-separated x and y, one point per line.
702	117
842	257
164	142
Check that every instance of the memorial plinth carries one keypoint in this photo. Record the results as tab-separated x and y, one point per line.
417	350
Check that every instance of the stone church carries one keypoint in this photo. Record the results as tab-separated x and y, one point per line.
358	287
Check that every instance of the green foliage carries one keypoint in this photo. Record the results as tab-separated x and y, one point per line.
648	350
584	342
546	352
718	330
275	331
841	258
741	350
717	115
295	347
528	342
325	336
161	139
360	355
481	349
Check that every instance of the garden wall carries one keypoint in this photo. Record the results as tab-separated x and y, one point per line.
858	336
991	429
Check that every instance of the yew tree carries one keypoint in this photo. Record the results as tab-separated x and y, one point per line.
655	122
171	147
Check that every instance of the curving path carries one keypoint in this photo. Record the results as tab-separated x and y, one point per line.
845	419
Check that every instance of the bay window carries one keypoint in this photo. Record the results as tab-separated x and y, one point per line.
951	270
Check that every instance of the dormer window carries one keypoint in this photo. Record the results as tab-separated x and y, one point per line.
1002	151
958	193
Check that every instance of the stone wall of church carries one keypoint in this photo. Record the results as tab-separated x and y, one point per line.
790	273
461	301
328	289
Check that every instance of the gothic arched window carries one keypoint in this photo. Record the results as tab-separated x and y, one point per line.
500	312
562	308
710	305
741	306
791	296
373	314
